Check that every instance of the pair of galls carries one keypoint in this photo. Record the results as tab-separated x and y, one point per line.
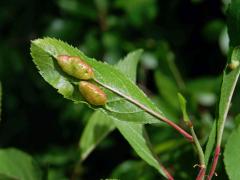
76	67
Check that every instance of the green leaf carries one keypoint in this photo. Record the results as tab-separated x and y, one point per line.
129	170
182	102
168	89
98	127
5	177
16	164
137	137
210	144
232	156
230	77
43	52
138	11
237	119
99	124
77	8
229	82
128	65
136	134
205	90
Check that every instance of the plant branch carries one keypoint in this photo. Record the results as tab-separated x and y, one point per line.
198	147
215	161
188	122
148	110
167	173
200	153
201	173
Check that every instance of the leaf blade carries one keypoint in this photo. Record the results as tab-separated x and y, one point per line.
230	77
231	155
183	102
44	49
98	127
128	65
227	88
137	137
17	164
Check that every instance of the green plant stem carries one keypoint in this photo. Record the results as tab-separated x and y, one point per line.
198	147
196	142
153	113
200	153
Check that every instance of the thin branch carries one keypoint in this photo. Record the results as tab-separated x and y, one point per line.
200	153
167	173
188	122
199	149
201	173
150	111
215	161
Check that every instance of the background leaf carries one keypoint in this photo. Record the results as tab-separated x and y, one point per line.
16	164
167	87
138	168
137	137
135	134
98	127
211	142
128	66
233	19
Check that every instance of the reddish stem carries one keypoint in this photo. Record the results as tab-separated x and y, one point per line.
201	173
215	161
179	129
169	176
148	110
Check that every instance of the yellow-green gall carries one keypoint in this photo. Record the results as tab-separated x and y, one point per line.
74	66
233	65
92	93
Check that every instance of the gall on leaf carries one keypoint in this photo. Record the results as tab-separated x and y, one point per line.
92	93
74	66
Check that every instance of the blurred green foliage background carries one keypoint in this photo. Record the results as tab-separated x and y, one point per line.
185	45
